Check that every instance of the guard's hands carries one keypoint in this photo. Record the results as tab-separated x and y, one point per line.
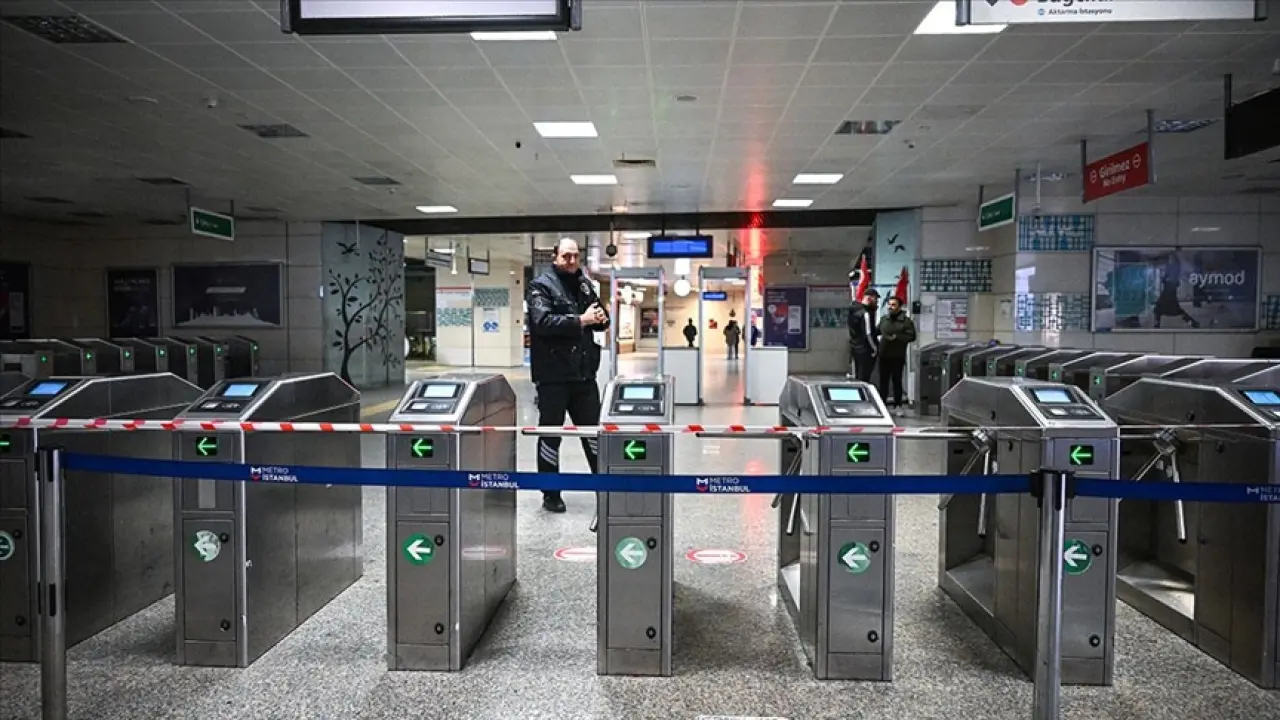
593	316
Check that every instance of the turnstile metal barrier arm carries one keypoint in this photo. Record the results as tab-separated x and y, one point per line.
1052	490
1167	445
51	586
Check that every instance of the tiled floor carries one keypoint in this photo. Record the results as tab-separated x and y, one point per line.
736	652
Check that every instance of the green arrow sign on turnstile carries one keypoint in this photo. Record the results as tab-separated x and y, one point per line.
423	447
207	446
1081	454
858	452
6	546
854	557
635	449
631	553
6	444
1076	557
207	545
419	549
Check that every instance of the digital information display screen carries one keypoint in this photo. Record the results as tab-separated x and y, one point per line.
439	392
639	392
47	389
691	246
845	394
240	390
716	296
1052	396
1268	398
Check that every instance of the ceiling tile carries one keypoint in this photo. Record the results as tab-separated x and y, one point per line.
388	79
992	73
854	19
853	50
281	55
943	48
1113	47
232	27
682	19
1074	72
1008	47
148	28
523	54
690	52
796	51
203	57
362	54
915	73
438	52
794	19
605	52
315	79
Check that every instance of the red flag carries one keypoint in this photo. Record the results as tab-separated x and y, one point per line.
900	291
864	279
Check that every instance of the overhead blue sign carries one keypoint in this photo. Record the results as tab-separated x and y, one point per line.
715	296
688	246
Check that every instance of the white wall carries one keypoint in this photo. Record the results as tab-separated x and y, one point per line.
69	266
468	344
828	347
950	233
681	309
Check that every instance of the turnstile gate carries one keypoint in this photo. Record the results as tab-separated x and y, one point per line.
988	547
28	363
148	357
210	357
1076	371
256	559
10	380
119	528
241	355
1106	381
836	552
1037	366
978	361
1209	572
634	534
62	358
1004	365
182	358
938	363
451	554
1219	370
109	358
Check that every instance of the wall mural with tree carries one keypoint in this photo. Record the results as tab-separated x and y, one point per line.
364	317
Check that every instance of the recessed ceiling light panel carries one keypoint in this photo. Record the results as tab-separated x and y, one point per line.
594	179
515	36
436	209
560	130
792	203
818	178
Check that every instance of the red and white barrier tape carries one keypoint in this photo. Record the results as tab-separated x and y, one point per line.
382	428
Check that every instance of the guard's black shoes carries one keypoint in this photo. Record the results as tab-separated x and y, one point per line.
553	504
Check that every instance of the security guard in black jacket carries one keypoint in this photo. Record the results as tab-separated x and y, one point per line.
564	312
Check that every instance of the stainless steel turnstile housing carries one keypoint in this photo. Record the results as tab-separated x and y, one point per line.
211	359
1004	365
938	363
241	355
1209	572
836	552
119	528
988	546
64	359
1219	370
976	362
10	380
451	554
1076	371
148	357
1036	367
30	363
256	559
1105	381
109	357
633	537
182	358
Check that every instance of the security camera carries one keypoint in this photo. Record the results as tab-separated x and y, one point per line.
211	102
519	144
911	144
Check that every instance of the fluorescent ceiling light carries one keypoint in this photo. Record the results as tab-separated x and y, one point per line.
792	203
566	129
514	35
818	178
635	236
594	179
436	209
941	20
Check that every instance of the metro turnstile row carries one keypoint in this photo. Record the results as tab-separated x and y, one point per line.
451	554
988	546
202	361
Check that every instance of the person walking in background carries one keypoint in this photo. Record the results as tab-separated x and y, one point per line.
897	332
732	334
755	334
690	332
564	314
863	331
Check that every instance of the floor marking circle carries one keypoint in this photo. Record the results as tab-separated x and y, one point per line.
715	556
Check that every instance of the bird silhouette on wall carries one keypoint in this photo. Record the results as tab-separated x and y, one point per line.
349	248
893	243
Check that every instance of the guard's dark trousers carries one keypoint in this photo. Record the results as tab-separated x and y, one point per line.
581	400
891	369
864	365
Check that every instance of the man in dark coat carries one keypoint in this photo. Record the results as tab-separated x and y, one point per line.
864	340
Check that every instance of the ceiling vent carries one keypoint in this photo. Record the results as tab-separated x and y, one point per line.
172	181
275	131
1178	127
631	163
377	181
866	127
7	134
45	200
65	29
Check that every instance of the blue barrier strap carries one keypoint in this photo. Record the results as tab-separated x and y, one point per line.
708	484
1189	492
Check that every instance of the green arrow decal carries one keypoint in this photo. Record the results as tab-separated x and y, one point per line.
423	448
6	444
206	446
858	452
635	449
1081	455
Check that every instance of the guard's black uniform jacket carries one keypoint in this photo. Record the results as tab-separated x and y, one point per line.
561	349
864	334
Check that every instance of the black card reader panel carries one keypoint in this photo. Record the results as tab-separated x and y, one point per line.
842	401
638	399
438	391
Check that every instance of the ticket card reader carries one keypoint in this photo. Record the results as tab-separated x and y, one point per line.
451	554
1004	365
111	358
148	357
988	546
978	361
241	354
182	358
211	359
835	552
938	363
256	559
1036	366
1076	370
119	528
634	535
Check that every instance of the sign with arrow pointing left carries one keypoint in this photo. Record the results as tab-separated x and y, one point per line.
631	553
419	549
635	450
858	452
855	557
1076	557
207	446
423	447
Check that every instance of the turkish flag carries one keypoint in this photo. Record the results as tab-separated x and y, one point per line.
900	291
864	279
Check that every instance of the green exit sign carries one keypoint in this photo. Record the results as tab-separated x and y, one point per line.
997	213
1080	455
6	444
635	450
858	452
423	448
212	224
206	446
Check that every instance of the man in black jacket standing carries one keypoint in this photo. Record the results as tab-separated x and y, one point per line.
864	337
564	312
